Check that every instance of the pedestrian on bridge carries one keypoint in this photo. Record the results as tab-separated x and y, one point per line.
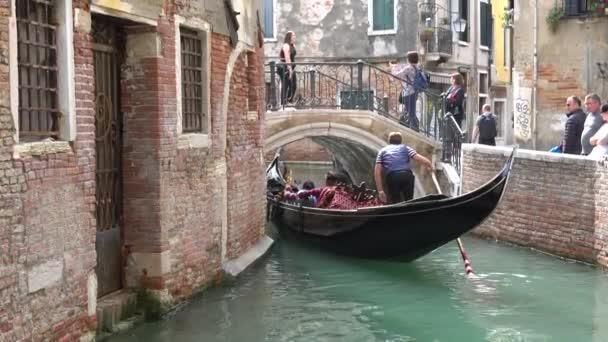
454	98
409	93
287	70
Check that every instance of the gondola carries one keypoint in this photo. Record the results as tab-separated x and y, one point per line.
401	232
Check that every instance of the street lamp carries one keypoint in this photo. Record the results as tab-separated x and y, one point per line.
460	25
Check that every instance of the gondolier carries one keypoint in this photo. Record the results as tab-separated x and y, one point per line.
394	160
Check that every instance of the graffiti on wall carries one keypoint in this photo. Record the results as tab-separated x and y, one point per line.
523	114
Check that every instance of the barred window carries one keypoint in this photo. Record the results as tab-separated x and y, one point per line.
37	65
194	118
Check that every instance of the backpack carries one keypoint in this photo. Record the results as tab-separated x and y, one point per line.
487	127
421	80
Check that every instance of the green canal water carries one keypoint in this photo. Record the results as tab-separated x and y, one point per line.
299	294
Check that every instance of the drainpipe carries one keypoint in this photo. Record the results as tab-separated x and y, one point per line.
475	31
535	74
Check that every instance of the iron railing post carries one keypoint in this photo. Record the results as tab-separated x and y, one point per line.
359	83
312	84
273	86
385	105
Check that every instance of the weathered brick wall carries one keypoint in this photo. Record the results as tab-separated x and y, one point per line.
191	178
553	202
304	149
47	218
245	169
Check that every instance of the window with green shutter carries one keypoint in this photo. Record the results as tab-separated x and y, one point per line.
485	22
383	15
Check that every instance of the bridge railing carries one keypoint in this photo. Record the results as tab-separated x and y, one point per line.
358	85
452	139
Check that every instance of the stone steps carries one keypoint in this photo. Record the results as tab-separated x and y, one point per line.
117	312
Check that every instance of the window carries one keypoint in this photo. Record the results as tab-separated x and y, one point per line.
38	109
485	23
383	15
499	110
584	7
483	90
269	19
194	118
463	11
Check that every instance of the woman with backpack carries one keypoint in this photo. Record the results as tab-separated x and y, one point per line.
416	82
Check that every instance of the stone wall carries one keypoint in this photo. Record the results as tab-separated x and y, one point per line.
187	210
554	203
335	29
579	43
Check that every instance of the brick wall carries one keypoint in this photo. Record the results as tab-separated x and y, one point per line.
47	218
171	196
191	178
554	203
304	149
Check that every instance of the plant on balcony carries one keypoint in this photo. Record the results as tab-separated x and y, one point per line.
426	34
507	18
597	7
553	18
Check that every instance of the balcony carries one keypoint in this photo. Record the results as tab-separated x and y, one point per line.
435	31
438	43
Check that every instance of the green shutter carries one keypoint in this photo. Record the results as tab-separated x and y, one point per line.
383	15
388	15
483	21
490	26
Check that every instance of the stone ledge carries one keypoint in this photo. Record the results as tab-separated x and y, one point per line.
41	148
234	267
530	154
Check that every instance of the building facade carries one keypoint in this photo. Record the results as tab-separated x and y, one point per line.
450	35
124	127
550	65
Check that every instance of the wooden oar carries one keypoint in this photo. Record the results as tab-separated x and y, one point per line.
468	269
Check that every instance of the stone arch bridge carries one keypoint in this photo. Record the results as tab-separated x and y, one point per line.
354	137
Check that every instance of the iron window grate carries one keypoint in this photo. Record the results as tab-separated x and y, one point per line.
193	116
37	65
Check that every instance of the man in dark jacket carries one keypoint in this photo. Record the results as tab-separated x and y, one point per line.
574	126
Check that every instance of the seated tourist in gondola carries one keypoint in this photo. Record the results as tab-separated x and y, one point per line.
334	195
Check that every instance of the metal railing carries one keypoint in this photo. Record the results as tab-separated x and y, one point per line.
440	42
355	85
452	139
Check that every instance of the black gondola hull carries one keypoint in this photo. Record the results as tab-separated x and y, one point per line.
402	232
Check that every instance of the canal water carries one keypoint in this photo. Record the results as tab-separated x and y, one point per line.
301	294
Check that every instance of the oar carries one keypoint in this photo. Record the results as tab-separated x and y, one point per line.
468	270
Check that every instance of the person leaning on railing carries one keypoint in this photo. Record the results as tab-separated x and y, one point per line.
600	139
454	98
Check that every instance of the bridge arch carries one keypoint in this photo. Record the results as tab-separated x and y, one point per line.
353	136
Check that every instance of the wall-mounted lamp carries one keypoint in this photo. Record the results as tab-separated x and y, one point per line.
460	25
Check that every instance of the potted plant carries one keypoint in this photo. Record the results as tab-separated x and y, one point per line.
553	17
426	34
